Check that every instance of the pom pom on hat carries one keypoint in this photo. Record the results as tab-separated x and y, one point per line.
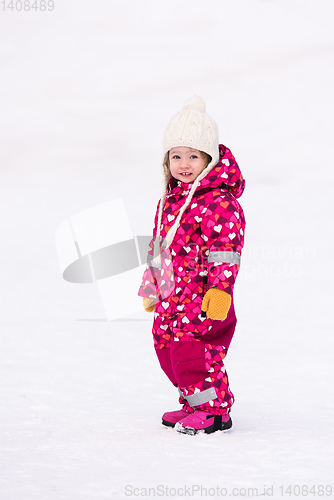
195	102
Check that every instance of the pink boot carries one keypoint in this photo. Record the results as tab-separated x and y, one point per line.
170	418
202	421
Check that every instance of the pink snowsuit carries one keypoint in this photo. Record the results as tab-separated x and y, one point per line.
205	253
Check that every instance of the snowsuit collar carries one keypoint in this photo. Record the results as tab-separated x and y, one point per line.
226	171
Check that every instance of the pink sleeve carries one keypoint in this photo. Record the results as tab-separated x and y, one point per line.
148	285
223	231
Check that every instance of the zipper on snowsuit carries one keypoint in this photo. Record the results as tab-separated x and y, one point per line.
205	281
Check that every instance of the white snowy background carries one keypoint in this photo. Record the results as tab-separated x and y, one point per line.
86	93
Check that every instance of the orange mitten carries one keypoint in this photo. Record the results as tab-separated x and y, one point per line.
216	303
149	304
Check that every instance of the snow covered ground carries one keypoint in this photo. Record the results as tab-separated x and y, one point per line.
86	92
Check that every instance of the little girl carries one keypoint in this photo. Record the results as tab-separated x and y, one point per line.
193	263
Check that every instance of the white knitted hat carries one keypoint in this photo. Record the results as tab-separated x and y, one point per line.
192	128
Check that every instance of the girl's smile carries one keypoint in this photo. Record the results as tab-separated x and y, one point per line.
186	163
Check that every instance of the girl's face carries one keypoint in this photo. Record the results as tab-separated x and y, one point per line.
186	163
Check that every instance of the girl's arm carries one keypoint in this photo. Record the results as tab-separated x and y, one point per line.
223	227
148	285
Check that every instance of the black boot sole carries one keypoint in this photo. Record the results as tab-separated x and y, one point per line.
167	424
217	425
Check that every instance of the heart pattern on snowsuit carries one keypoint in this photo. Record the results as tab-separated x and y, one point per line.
213	222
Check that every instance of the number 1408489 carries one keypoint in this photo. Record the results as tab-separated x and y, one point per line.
27	5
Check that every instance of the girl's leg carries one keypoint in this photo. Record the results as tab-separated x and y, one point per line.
197	362
162	342
162	337
201	375
165	363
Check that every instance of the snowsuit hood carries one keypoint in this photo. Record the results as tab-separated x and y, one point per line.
226	171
